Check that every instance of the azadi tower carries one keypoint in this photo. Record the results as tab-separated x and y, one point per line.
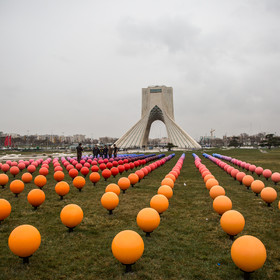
157	104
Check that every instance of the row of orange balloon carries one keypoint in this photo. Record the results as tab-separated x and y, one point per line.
128	246
247	252
110	199
268	194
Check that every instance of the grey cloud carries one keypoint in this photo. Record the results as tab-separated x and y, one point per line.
164	33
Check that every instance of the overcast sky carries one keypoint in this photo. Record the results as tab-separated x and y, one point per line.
78	67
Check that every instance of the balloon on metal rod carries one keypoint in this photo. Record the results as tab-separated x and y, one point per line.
110	201
36	197
16	187
62	188
257	186
71	216
5	209
124	183
113	188
133	178
127	247
79	182
248	253
268	195
221	204
40	181
94	177
232	222
275	177
58	176
24	241
148	220
4	179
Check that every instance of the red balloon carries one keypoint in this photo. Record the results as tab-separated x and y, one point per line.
259	170
140	174
121	168
102	166
106	173
79	166
94	168
31	168
73	173
5	167
21	165
14	170
267	173
126	166
115	171
84	171
58	168
43	171
69	166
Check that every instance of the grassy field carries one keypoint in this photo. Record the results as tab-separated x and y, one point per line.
188	244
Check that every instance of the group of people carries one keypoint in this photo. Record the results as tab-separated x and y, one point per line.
103	152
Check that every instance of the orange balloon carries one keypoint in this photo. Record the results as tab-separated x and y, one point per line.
17	186
5	209
166	191
232	222
79	182
171	176
124	183
58	176
248	253
94	177
268	195
24	241
247	180
211	183
40	181
4	179
209	176
159	202
175	173
71	216
167	181
36	197
240	176
62	188
133	178
221	204
148	220
216	191
113	188
257	186
26	177
205	173
110	201
127	247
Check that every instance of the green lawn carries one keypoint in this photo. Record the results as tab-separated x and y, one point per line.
188	244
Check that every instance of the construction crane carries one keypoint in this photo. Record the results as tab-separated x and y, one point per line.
212	132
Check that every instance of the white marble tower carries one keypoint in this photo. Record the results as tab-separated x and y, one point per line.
157	104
